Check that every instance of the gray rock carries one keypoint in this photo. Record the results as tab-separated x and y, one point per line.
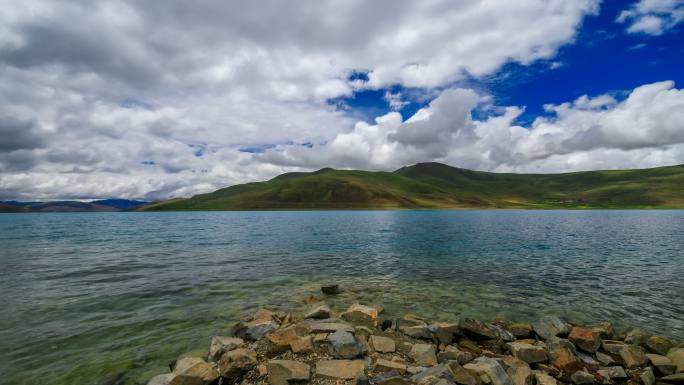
423	354
257	332
633	356
282	372
544	379
220	345
637	336
390	378
613	372
659	345
581	377
604	359
612	347
491	369
321	311
550	326
361	380
529	353
344	345
382	344
463	376
444	331
437	372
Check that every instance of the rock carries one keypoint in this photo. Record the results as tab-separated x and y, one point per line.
382	365
633	356
469	345
478	329
287	338
423	354
452	353
326	326
235	363
548	369
491	369
341	369
162	379
581	377
647	377
201	373
463	376
562	355
674	378
282	372
612	347
220	345
529	353
588	361
550	326
676	355
432	375
605	330
344	345
418	331
361	314
262	323
518	371
382	344
585	339
520	330
390	378
659	345
331	289
663	364
321	311
302	345
545	379
637	336
604	359
444	331
184	363
361	380
613	372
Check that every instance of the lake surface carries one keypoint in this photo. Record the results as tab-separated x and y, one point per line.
88	298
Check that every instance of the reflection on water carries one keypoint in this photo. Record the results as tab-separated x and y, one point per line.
95	296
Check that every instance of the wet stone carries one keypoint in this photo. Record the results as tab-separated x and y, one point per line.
550	326
659	345
478	329
529	353
633	356
585	339
663	364
321	311
202	373
331	289
520	330
162	379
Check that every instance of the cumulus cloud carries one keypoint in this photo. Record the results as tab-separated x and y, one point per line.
652	17
644	129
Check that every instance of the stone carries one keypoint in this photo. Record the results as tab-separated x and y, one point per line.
588	361
321	311
674	378
361	314
491	369
605	330
444	331
162	379
382	365
361	380
331	289
290	337
518	371
220	345
585	339
659	345
463	376
184	363
663	364
430	375
529	353
263	322
550	326
548	369
612	347
647	377
520	330
423	354
390	378
545	379
613	372
562	355
344	345
581	377
202	373
418	331
637	336
633	356
340	369
469	345
362	332
326	326
604	359
283	372
478	329
382	344
302	345
235	363
452	353
676	355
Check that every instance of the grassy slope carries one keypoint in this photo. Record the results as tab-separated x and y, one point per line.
434	185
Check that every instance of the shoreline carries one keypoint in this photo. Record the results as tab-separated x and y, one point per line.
360	346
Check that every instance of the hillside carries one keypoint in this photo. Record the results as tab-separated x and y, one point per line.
435	185
70	206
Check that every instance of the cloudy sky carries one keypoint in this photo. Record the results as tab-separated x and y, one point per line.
157	99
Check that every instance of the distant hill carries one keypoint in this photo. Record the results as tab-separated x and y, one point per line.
435	185
70	206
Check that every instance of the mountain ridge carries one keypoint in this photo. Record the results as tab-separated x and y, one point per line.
438	186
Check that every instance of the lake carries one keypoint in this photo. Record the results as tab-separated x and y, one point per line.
94	297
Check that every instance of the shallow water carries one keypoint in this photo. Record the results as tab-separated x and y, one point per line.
96	297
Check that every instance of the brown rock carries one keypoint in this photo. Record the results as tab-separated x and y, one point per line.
663	364
452	353
322	311
612	347
659	345
302	345
519	371
581	377
605	330
361	314
520	330
633	356
545	379
382	365
235	363
585	339
423	354
529	353
562	356
676	355
444	331
382	344
478	329
491	369
282	372
463	376
202	373
341	369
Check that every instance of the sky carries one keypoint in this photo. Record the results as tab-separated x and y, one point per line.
154	100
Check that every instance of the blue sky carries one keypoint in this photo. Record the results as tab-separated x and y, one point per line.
130	99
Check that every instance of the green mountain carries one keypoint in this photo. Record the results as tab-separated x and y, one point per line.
435	185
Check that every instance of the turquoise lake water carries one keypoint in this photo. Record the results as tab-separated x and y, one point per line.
110	298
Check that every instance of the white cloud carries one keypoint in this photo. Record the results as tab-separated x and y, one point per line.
652	17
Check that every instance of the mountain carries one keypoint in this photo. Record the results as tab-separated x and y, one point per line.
435	185
70	206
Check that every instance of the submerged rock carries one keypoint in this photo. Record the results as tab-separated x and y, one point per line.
282	372
331	289
321	311
550	326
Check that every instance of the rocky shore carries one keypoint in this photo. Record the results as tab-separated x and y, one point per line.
360	346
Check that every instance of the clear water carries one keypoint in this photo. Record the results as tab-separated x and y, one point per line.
110	298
